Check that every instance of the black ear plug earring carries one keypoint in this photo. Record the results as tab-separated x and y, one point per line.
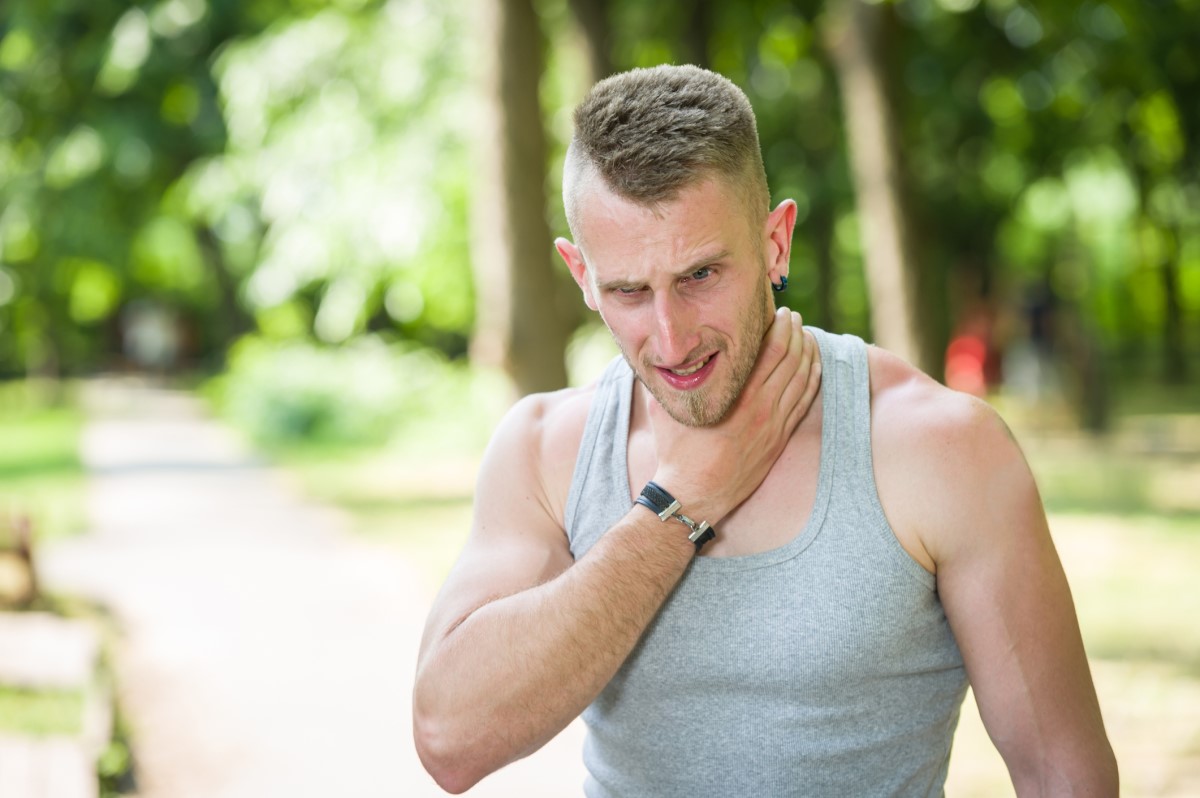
781	285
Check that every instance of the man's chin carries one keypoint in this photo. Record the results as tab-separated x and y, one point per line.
691	409
693	421
695	408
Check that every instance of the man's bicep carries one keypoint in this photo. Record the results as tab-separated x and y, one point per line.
1012	615
492	567
1007	599
516	542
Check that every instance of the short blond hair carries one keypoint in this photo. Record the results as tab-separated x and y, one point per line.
649	133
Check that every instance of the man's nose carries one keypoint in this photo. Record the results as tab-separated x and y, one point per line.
675	330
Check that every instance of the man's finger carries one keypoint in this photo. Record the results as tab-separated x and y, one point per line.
774	345
799	376
809	376
788	362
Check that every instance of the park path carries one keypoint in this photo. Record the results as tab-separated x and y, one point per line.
263	651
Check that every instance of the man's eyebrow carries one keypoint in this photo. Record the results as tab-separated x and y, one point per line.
698	263
612	285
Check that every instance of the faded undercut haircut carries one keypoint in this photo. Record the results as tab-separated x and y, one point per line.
650	133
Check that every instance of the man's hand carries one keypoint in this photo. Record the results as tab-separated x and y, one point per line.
714	469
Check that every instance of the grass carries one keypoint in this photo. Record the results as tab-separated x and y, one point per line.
413	491
40	473
1135	583
1132	572
41	712
1132	577
41	479
1124	510
420	505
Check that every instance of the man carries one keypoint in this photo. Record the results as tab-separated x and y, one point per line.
876	542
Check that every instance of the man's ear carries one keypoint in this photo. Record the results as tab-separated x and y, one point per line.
778	233
574	260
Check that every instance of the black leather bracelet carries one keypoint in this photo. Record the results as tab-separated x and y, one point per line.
666	506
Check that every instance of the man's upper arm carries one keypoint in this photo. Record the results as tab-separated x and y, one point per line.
516	539
1008	602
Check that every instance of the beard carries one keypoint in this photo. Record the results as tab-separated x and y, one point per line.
708	404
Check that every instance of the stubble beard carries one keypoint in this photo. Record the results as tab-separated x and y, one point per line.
708	404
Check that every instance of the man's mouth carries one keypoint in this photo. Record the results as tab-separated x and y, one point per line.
692	369
691	376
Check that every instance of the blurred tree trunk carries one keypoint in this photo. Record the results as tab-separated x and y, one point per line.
824	315
592	16
1164	259
44	322
519	325
697	33
1083	351
1175	363
857	40
232	321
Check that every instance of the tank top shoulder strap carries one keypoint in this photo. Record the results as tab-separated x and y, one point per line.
603	445
856	487
847	397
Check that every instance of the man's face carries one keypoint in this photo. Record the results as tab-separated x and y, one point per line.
683	288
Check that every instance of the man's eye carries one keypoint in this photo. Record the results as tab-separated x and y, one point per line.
628	291
700	274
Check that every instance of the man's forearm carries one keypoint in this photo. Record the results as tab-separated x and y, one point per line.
548	651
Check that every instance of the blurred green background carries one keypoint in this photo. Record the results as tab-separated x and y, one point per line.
333	220
217	187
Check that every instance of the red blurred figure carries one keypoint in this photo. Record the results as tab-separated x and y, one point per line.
965	358
972	365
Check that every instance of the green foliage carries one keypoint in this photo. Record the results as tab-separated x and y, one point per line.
113	768
342	193
1046	147
101	106
291	391
189	151
364	393
302	169
115	764
1037	136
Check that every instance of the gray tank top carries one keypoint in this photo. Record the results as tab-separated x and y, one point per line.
823	667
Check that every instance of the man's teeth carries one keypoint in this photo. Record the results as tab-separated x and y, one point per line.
693	369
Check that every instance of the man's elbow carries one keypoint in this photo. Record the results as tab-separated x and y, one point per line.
446	762
1106	778
445	753
1092	774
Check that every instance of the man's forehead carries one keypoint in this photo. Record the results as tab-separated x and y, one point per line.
705	208
598	206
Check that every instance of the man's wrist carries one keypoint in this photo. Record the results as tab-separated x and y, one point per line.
657	499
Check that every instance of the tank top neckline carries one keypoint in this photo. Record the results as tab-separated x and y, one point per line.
825	473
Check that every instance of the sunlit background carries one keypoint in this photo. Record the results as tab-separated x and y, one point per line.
270	271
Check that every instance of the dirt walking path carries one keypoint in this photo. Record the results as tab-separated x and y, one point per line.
263	651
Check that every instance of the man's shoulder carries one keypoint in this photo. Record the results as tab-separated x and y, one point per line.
536	444
912	409
936	452
553	419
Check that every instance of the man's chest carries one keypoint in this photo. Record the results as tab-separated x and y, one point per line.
773	515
